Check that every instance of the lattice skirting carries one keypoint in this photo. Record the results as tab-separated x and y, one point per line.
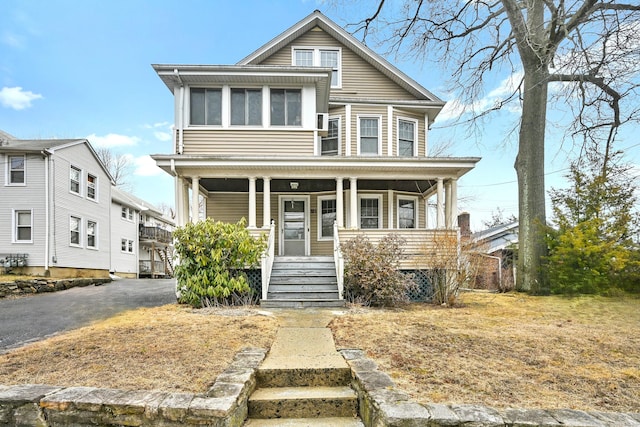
424	290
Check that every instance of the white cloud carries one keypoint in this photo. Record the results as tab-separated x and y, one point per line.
162	136
17	98
113	140
13	40
146	166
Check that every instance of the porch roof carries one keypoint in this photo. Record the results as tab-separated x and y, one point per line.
316	167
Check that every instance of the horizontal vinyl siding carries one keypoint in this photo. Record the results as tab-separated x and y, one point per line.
24	197
123	262
248	142
359	78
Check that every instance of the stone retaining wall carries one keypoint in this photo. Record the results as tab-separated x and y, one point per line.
381	404
36	286
224	405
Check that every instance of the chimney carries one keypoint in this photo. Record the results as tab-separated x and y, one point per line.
464	223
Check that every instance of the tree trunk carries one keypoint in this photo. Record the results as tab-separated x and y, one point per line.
529	166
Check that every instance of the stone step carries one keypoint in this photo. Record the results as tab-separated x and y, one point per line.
303	402
305	422
330	376
300	303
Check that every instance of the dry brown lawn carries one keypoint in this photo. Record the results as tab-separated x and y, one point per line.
508	350
498	350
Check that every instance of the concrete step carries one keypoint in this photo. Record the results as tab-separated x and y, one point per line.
329	376
303	402
300	303
305	422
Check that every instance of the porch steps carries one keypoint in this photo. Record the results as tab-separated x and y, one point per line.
298	282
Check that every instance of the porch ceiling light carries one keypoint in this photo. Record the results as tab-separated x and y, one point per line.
293	185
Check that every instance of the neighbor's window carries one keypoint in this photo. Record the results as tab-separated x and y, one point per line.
327	217
206	107
92	231
74	227
406	138
74	179
406	213
23	226
127	213
330	142
370	210
286	107
92	182
369	131
246	107
17	169
126	245
328	58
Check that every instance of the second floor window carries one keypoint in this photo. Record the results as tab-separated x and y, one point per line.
92	182
330	142
406	138
246	107
286	107
206	107
74	179
16	169
369	135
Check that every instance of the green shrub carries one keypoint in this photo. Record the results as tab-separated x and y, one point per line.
212	256
372	275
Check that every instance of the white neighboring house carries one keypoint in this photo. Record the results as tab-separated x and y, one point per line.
54	208
141	243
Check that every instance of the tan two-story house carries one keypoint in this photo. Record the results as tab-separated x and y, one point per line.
313	138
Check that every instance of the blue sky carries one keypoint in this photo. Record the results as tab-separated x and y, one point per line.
82	69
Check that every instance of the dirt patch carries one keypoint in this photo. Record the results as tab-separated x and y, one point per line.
507	350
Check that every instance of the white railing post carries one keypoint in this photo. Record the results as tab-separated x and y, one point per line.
266	262
338	260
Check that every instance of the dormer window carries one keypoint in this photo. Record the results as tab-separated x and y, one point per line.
319	57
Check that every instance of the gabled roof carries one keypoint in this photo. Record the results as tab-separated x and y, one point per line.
5	137
49	146
317	19
498	237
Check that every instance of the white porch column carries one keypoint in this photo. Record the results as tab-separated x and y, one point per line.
339	203
266	202
195	198
426	213
353	205
391	223
178	198
347	130
252	202
454	203
447	204
440	204
185	202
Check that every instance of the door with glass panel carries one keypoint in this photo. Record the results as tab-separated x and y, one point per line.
295	227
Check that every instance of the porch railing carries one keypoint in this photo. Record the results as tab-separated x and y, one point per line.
152	268
155	233
266	263
338	260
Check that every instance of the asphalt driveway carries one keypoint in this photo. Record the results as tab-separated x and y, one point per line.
28	319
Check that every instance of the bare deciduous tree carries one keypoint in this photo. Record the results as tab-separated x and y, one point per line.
118	165
589	46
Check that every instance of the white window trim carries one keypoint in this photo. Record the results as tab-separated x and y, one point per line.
95	188
415	134
316	58
129	214
14	226
369	116
416	211
95	235
187	105
339	118
80	232
81	176
379	197
7	173
319	215
127	241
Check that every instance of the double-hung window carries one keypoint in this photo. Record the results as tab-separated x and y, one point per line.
369	136
75	228
406	137
205	107
92	233
327	217
75	175
286	107
331	141
370	212
246	107
126	245
17	169
23	220
407	210
92	186
320	57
